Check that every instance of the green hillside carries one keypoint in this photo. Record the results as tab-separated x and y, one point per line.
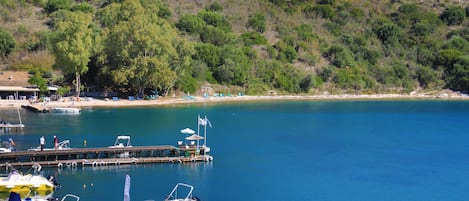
253	47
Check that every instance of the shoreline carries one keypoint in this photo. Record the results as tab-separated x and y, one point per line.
198	99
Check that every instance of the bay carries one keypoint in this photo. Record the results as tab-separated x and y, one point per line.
274	151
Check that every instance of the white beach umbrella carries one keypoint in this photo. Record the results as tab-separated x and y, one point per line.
187	131
194	137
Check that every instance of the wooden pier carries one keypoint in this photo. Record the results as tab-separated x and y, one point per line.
6	127
103	156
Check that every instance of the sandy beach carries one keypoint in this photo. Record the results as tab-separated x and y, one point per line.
92	102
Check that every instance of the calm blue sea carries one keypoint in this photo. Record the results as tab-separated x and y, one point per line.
274	151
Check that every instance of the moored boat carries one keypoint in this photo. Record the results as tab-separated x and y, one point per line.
64	145
182	189
73	110
23	184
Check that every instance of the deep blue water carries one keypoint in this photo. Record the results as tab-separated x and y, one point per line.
275	151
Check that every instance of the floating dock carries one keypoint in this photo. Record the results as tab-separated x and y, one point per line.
36	108
75	157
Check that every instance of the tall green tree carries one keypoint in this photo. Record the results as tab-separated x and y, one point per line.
142	50
72	44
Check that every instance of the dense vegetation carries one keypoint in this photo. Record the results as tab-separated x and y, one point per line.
281	46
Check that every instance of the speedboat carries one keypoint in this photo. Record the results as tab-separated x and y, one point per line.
181	189
23	184
66	110
121	141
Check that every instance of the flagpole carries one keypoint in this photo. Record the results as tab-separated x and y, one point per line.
198	128
198	123
205	132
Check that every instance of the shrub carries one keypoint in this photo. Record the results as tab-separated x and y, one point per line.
305	32
215	7
453	15
55	5
83	7
214	36
215	19
330	2
448	57
257	22
187	84
324	11
7	43
253	38
191	23
388	33
164	12
427	77
340	56
334	28
286	52
457	43
372	56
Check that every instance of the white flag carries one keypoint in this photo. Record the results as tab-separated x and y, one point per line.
202	122
208	122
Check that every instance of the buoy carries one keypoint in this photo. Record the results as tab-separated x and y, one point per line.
68	164
37	167
60	165
74	164
94	164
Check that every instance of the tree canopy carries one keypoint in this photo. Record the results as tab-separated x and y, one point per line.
73	43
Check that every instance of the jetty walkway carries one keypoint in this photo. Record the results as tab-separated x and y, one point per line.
75	157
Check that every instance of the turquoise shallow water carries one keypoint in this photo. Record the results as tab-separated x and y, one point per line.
276	151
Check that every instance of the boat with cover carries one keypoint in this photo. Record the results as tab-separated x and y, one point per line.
182	189
121	141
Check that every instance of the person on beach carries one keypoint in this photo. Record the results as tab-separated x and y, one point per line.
56	142
42	142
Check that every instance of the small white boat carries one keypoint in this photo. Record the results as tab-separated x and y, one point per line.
64	145
4	150
182	189
121	141
73	110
